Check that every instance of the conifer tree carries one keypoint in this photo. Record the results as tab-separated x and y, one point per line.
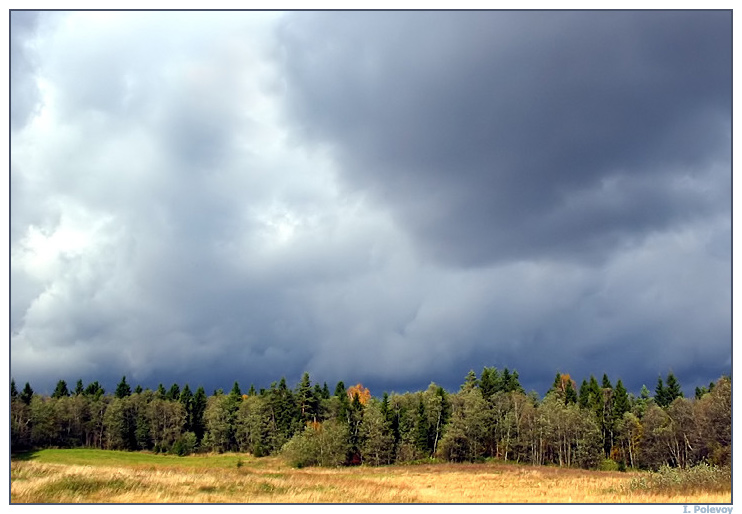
60	390
122	389
584	396
199	407
161	393
620	401
672	389
138	389
606	383
470	382
570	395
173	393
27	394
13	390
236	391
660	393
94	390
79	389
186	398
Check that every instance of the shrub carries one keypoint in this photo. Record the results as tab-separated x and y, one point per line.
185	444
322	444
608	465
702	477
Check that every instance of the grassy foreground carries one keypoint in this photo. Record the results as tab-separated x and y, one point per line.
99	476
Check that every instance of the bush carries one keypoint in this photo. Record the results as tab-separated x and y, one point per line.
185	444
702	477
608	465
321	444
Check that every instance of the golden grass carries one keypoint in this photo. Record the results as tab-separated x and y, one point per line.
270	480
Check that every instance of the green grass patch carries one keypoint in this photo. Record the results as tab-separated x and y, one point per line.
92	457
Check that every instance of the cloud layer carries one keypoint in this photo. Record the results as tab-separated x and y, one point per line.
391	198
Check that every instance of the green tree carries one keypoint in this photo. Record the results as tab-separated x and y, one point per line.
122	389
660	393
13	390
60	390
79	388
94	390
672	390
173	393
27	394
198	425
378	441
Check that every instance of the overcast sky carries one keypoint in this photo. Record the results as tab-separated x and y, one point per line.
385	198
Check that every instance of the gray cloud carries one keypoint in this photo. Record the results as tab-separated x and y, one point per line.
390	198
501	135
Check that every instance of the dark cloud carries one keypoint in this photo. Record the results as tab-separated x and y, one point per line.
391	198
500	135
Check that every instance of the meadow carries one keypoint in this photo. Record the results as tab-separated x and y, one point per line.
100	476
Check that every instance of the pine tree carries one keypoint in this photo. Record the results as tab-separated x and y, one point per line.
251	391
236	391
60	390
122	389
79	389
660	393
138	389
513	383
606	383
199	407
672	390
186	398
13	390
470	382
584	397
161	393
422	440
26	394
173	393
94	390
570	395
620	401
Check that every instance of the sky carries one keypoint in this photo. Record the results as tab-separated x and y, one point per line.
391	198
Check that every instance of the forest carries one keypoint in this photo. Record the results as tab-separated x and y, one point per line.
597	425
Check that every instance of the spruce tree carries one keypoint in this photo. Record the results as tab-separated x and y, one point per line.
138	389
13	390
236	391
470	382
620	401
60	390
672	389
570	395
161	393
606	383
79	389
26	394
186	399
122	389
173	393
199	407
584	397
513	383
660	393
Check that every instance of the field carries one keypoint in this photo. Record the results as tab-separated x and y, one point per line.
97	476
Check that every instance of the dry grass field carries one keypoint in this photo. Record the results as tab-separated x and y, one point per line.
88	476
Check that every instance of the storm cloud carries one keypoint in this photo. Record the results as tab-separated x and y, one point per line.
386	197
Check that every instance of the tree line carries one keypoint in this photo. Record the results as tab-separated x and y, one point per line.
595	425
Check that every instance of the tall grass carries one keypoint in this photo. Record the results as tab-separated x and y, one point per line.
702	477
97	476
